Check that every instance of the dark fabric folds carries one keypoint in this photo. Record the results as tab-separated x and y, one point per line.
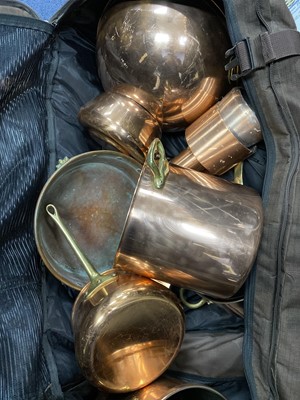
25	62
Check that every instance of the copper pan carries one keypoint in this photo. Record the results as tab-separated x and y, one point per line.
127	328
93	191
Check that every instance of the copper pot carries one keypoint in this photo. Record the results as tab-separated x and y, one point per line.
125	117
190	229
127	328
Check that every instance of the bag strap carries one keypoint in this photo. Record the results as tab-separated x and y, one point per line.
253	53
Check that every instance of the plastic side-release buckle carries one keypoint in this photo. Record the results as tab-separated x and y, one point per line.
254	53
240	60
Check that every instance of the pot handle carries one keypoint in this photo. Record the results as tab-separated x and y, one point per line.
192	306
158	163
93	275
204	300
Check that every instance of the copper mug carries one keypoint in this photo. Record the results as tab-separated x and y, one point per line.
190	229
223	136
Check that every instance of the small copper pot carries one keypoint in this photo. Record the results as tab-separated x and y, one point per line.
127	328
125	117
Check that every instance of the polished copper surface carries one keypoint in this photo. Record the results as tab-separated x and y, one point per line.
127	332
122	122
221	137
144	99
121	343
93	192
175	52
196	231
187	159
181	112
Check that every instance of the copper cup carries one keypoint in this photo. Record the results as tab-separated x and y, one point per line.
221	137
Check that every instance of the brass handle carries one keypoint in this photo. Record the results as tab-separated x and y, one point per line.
158	163
238	173
192	306
93	275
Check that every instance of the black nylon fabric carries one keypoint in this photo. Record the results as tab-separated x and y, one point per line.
272	343
24	67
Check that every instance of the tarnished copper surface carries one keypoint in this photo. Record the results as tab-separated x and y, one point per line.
93	192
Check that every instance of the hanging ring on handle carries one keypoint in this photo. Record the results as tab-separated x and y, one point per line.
192	306
158	163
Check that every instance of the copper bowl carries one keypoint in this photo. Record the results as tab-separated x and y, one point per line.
175	52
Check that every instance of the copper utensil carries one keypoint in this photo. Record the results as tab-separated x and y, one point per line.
127	328
190	229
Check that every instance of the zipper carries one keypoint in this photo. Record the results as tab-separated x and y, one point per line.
281	244
283	232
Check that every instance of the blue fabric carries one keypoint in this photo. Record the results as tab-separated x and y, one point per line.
45	9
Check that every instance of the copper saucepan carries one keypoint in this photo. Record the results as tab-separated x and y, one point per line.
190	229
127	328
